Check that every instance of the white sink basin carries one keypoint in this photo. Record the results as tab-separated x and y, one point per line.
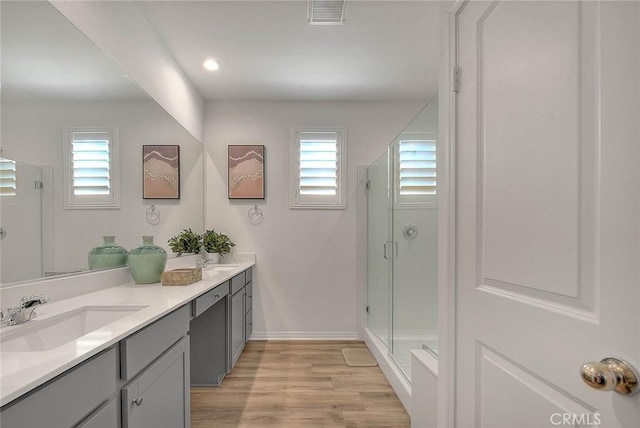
42	335
224	268
210	271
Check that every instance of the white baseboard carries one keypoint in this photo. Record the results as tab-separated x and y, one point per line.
304	335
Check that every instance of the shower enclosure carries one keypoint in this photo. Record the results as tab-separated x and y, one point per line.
20	221
402	259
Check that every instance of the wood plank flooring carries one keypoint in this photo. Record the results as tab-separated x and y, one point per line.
298	384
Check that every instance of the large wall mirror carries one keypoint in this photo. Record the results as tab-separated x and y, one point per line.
54	79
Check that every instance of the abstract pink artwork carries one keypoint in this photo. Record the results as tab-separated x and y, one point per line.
246	172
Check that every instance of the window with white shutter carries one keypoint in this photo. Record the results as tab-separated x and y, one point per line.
91	175
317	170
416	180
8	178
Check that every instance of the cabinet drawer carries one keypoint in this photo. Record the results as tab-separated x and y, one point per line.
210	298
248	297
105	417
248	274
67	399
237	282
140	349
248	329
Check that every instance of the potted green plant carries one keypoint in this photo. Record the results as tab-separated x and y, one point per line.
216	243
186	241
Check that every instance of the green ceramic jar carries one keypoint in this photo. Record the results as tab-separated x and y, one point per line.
107	255
147	262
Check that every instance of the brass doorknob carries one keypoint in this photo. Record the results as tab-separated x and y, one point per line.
611	374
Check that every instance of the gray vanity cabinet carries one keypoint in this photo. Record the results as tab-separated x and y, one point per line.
105	417
248	306
209	337
67	399
241	313
159	396
155	363
237	325
144	380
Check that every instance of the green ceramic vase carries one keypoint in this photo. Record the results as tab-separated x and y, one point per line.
107	255
147	262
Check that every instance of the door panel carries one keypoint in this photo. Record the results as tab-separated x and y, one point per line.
547	210
536	151
500	379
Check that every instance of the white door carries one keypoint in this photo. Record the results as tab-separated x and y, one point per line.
548	211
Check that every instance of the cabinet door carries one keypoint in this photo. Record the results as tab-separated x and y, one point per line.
67	399
159	397
237	326
248	297
248	325
209	345
105	417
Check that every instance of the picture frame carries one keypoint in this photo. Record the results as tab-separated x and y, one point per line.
246	171
161	171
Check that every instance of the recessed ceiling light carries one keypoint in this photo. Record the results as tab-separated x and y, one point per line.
210	64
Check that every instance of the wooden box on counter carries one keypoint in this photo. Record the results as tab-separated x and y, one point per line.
182	276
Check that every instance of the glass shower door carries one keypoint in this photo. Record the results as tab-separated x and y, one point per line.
378	265
20	221
402	232
414	285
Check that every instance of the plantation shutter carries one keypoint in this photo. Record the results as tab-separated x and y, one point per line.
317	169
318	163
417	170
7	177
91	164
91	168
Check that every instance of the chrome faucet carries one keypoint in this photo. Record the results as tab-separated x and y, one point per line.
202	262
24	311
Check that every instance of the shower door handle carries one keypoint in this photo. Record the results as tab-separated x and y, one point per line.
394	250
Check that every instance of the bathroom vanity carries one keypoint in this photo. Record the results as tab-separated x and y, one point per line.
135	371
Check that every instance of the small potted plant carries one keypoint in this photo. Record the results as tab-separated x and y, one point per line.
186	241
216	244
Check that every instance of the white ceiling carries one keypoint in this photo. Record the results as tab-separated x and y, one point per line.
46	57
386	50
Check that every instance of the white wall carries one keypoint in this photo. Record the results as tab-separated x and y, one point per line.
306	280
32	132
122	32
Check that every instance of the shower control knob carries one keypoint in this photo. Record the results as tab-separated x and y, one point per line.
611	374
410	231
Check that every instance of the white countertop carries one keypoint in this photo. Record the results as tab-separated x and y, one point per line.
20	372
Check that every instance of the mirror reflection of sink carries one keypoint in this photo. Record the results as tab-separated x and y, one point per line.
43	335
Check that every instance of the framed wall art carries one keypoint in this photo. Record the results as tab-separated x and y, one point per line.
161	172
246	172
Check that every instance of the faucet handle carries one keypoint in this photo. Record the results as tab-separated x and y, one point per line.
33	300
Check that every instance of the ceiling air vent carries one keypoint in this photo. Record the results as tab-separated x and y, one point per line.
326	12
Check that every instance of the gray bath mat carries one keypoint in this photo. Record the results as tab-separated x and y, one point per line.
358	357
